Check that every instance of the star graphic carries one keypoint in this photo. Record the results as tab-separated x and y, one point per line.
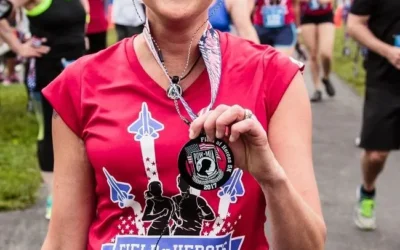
112	240
154	173
123	222
127	227
133	222
240	216
235	222
205	233
223	230
119	226
130	218
218	224
122	231
207	224
229	224
147	159
148	169
120	218
131	232
228	215
153	163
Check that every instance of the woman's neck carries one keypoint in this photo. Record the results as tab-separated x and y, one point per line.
174	40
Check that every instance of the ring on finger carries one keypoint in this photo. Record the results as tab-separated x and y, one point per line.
247	114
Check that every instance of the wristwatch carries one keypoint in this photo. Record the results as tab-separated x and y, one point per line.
5	8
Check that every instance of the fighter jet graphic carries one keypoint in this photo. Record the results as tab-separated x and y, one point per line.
119	190
233	187
145	125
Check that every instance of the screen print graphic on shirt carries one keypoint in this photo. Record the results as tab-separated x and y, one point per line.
191	224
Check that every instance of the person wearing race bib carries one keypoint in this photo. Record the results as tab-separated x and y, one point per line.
275	22
318	33
58	29
224	13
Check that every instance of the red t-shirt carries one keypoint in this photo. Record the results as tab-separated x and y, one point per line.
98	17
289	17
306	10
136	173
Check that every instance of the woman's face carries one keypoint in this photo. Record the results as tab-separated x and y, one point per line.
178	10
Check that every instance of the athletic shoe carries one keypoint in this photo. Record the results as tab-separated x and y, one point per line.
49	204
317	96
364	212
330	90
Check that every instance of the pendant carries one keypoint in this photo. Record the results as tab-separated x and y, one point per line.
174	91
206	165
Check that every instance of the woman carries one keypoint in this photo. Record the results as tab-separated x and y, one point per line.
62	25
97	27
318	33
223	13
275	22
118	131
127	21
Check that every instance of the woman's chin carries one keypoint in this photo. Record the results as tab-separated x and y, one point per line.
178	10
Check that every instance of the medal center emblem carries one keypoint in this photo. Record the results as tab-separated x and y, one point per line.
206	165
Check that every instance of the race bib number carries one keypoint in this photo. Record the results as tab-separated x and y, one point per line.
273	16
397	40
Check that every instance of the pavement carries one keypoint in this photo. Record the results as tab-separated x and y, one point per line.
336	159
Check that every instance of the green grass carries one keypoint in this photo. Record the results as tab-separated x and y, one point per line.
19	172
343	66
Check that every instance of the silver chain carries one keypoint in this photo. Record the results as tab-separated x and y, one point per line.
183	118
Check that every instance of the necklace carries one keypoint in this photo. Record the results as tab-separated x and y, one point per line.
175	89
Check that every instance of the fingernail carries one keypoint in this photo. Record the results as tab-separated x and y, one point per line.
191	134
231	138
218	135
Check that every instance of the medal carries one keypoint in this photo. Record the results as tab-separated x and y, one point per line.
202	164
206	165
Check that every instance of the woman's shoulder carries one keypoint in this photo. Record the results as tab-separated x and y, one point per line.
248	54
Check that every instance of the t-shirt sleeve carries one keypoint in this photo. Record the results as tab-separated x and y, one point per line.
362	7
279	73
64	95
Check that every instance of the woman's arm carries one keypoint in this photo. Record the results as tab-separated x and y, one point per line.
294	210
239	11
74	195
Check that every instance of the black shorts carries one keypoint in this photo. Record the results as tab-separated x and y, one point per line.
381	119
97	42
317	19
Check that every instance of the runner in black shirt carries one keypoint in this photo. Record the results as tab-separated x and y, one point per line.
376	25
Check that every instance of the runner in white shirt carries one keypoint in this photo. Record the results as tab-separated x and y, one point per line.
126	18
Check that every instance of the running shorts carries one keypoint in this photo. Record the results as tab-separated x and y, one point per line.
381	119
317	19
285	36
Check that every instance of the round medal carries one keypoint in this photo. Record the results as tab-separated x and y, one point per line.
206	165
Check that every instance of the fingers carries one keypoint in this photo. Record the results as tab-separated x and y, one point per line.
233	114
215	123
248	126
205	122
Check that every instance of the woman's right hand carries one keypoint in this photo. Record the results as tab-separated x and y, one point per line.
28	49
